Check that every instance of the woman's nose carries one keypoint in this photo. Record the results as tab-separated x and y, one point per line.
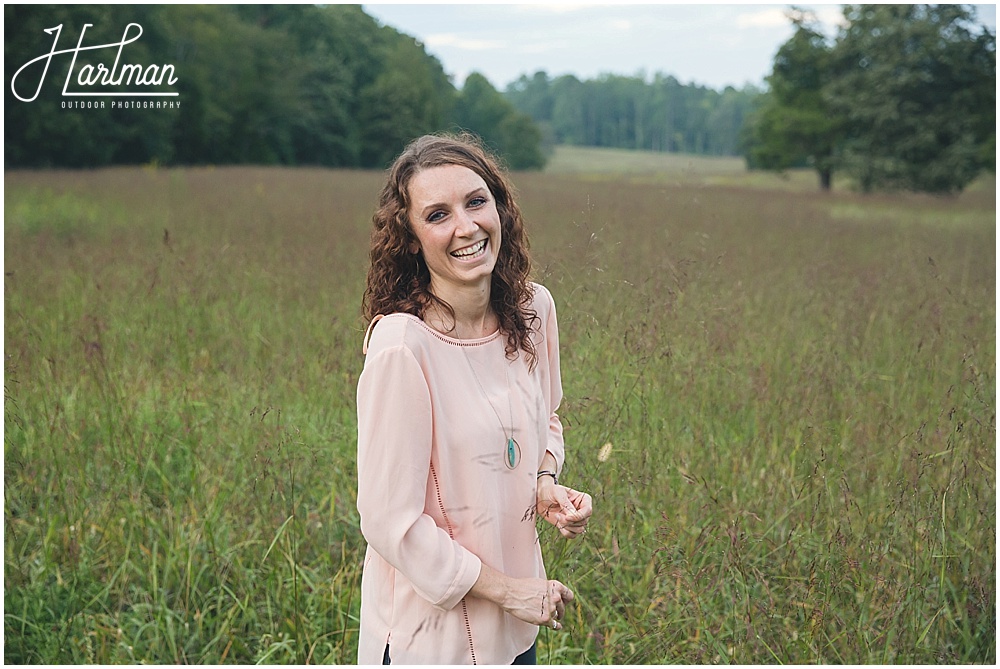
466	224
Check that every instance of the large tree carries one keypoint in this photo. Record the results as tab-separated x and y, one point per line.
916	88
793	126
904	98
481	109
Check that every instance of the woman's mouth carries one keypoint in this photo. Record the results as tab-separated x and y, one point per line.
471	252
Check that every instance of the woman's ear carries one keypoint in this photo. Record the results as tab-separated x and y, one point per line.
414	248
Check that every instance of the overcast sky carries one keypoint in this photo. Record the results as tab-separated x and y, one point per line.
714	45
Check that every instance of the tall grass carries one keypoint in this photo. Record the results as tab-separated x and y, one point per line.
798	393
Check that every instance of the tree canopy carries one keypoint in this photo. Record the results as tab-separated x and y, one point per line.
903	98
509	132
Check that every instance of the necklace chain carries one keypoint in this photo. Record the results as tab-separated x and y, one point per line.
512	451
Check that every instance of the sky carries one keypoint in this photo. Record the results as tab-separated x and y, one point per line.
713	45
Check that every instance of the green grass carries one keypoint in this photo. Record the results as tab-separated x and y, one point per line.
798	390
568	159
599	163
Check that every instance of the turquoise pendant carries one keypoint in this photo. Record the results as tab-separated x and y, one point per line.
513	453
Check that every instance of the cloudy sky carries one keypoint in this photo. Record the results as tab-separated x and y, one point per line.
714	45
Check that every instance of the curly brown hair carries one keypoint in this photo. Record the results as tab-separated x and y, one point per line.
399	281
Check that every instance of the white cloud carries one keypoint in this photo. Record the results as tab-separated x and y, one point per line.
828	16
543	47
551	7
767	18
454	41
621	24
831	16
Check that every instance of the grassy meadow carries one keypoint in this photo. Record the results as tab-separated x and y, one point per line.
782	401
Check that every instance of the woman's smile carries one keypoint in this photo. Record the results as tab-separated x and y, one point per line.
472	252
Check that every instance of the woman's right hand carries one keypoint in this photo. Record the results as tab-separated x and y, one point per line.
533	600
537	601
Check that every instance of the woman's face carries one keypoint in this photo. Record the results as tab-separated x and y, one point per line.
454	217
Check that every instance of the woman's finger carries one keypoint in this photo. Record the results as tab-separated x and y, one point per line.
582	503
573	530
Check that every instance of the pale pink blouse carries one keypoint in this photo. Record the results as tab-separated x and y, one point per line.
437	498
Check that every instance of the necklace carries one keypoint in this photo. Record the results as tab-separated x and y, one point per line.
512	450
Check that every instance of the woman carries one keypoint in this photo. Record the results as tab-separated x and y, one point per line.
459	444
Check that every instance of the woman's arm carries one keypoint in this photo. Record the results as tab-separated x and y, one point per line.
552	379
567	509
394	455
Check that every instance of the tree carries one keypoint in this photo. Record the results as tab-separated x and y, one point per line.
794	126
533	96
481	109
411	96
571	117
916	87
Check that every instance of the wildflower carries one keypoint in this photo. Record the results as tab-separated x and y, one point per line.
605	453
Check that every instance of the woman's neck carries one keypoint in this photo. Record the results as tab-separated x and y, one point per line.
474	316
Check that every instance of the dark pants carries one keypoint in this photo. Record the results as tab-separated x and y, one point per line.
527	657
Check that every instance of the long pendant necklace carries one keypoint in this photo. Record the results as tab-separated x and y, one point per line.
512	450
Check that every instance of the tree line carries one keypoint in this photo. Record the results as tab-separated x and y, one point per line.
290	85
631	112
904	97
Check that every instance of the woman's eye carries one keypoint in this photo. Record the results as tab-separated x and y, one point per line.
477	201
435	217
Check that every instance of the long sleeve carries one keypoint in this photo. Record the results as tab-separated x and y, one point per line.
550	329
395	430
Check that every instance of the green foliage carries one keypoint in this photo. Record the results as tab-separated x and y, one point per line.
916	88
632	113
799	394
405	100
483	110
903	99
262	84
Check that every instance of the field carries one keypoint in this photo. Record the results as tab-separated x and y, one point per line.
783	403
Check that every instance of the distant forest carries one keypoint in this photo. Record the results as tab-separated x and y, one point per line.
660	114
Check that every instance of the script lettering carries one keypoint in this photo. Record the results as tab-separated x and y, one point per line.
88	75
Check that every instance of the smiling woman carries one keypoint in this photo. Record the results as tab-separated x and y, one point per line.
457	229
459	443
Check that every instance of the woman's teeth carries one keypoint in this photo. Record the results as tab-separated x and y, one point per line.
471	251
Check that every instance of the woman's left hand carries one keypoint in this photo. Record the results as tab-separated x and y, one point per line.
567	509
